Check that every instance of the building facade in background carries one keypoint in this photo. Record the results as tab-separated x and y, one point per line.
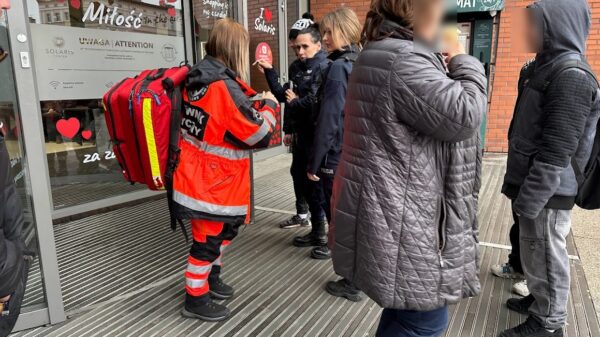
487	30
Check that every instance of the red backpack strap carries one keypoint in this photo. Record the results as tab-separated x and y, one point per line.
174	86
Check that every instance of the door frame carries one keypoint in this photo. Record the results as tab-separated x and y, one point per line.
35	156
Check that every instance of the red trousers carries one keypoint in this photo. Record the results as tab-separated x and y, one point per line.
210	240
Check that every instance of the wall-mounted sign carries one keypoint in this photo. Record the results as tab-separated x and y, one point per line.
263	52
83	63
215	8
463	6
263	22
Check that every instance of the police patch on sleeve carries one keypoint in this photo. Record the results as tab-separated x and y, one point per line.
197	94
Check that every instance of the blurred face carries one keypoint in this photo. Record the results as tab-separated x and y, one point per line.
428	20
527	33
328	41
305	47
533	34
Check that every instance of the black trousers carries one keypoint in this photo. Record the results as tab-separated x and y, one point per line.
298	172
308	196
514	258
326	176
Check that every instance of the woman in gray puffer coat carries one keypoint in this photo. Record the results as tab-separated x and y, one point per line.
404	227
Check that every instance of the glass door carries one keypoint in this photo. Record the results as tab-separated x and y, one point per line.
81	49
11	127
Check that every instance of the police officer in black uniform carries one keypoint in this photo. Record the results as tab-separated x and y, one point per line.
298	96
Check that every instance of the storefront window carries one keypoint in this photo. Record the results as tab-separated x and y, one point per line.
10	127
206	13
76	61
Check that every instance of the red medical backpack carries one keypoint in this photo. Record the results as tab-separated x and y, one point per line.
143	115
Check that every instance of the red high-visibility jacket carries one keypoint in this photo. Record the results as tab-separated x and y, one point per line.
220	124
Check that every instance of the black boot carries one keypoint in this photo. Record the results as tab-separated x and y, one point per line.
203	307
343	288
316	237
218	288
520	305
531	328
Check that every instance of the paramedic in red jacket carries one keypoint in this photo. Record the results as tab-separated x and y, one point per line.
220	125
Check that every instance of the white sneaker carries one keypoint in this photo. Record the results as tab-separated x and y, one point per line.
506	271
520	288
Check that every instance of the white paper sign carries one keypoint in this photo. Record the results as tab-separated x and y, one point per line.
83	63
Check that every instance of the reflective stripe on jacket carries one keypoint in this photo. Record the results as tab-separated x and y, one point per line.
219	126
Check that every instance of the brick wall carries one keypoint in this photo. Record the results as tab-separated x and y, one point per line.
508	63
504	87
319	8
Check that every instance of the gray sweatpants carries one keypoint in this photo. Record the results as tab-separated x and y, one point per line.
546	265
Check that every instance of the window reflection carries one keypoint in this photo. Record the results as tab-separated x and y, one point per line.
81	49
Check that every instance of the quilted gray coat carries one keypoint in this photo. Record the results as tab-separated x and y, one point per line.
404	225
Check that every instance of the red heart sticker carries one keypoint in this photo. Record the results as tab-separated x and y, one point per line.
75	4
86	134
68	128
171	11
268	15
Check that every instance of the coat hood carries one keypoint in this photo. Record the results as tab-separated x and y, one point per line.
565	25
207	71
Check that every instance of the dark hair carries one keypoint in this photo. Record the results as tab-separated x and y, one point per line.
401	12
314	31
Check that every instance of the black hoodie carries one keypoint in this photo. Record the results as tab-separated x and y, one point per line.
552	126
11	224
565	26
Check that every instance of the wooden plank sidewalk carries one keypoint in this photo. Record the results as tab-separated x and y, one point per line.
122	275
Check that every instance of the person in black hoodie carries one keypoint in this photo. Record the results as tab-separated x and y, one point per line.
298	95
551	134
14	260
